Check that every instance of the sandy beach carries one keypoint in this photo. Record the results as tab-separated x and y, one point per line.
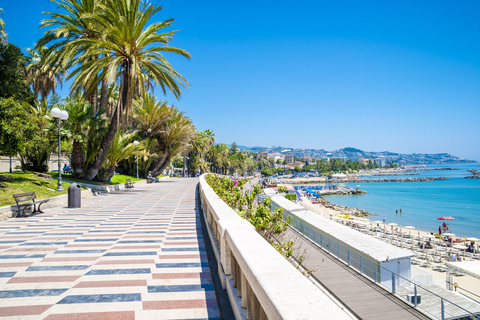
465	282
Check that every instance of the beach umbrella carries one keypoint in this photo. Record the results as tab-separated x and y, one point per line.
461	247
410	231
472	239
393	224
378	223
401	237
446	218
449	234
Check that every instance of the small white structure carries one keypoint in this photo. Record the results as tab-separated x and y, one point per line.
368	255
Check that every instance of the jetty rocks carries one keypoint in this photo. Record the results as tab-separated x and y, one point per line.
357	180
351	211
475	174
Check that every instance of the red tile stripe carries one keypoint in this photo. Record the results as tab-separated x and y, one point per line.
23	310
112	283
120	315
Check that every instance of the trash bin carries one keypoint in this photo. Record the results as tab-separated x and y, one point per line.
74	196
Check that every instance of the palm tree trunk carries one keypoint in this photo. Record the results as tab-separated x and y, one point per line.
102	152
159	164
77	159
112	129
104	95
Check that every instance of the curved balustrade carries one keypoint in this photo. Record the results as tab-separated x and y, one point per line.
261	284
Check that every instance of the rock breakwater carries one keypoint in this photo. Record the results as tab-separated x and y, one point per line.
357	180
341	209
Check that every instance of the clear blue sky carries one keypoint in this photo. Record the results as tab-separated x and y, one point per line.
402	76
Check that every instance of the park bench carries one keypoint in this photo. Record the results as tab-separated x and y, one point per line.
150	179
129	183
26	200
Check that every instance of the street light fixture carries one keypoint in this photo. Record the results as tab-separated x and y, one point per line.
136	143
61	116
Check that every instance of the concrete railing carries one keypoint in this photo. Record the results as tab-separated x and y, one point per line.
261	284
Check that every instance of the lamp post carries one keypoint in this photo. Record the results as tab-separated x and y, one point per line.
61	116
136	156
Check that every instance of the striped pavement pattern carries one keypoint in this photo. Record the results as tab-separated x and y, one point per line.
133	254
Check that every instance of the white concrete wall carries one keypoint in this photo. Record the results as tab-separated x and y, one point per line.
260	282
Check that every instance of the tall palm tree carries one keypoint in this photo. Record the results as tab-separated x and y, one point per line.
173	138
169	130
79	114
44	77
126	46
3	33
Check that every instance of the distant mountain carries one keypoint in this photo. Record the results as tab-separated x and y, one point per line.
354	154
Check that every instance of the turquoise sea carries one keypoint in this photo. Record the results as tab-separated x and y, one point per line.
423	202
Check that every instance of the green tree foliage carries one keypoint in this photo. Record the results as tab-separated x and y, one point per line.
267	221
12	70
3	33
15	127
113	41
37	149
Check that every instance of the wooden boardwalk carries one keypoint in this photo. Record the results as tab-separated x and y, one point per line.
361	296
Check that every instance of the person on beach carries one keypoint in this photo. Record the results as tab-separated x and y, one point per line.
400	211
458	257
439	230
396	211
384	219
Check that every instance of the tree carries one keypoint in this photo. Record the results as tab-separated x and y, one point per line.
168	127
3	33
44	77
12	70
37	149
121	47
80	113
233	148
122	148
15	127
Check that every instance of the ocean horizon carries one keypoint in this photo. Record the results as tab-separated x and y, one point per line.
424	201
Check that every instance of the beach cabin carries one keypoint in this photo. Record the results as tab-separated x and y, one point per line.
377	260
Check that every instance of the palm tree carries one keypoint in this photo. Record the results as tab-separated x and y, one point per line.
43	77
167	127
3	33
79	114
173	138
121	149
126	47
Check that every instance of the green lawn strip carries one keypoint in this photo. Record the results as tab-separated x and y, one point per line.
120	178
20	182
116	179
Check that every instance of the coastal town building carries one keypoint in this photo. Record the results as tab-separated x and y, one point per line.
262	155
288	158
276	156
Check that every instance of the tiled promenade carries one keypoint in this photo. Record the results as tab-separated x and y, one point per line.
134	254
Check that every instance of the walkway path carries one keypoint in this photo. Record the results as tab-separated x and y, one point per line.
133	254
362	297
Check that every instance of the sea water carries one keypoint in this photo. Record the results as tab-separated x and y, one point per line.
424	201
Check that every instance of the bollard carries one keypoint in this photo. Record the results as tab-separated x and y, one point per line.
74	196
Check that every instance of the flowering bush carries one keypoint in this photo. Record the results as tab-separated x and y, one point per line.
266	221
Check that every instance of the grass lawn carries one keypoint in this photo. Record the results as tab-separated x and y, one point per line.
116	179
20	182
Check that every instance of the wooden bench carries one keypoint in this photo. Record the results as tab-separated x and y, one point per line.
129	183
26	200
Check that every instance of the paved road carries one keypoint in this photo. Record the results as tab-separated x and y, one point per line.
133	254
